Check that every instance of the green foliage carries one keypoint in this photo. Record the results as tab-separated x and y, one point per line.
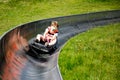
101	0
93	55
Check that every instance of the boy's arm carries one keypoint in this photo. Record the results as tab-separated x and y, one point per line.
55	36
46	31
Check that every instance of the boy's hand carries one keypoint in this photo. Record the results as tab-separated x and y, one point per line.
46	44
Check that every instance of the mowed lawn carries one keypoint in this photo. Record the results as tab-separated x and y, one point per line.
16	12
93	55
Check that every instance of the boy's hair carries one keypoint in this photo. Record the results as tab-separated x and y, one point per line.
54	23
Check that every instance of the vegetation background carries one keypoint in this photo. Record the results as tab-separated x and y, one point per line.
93	55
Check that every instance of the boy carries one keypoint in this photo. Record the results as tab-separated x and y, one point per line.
50	35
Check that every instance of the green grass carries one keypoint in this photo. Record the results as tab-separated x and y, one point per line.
93	55
16	12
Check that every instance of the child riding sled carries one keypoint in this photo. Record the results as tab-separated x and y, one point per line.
50	35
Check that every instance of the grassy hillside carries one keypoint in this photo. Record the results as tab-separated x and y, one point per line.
16	12
93	55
